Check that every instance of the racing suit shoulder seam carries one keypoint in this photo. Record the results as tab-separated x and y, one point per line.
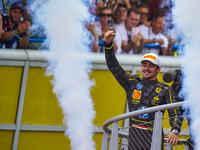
163	84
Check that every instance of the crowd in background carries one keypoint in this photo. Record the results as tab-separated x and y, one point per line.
137	24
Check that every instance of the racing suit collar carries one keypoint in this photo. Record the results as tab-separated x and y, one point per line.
145	81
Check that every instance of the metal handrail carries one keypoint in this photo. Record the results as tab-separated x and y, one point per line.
139	112
21	54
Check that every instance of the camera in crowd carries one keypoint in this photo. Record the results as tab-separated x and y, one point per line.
22	20
111	23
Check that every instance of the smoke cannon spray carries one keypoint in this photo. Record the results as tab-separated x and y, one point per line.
67	43
186	19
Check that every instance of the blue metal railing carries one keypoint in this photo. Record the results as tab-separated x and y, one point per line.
101	43
32	39
39	40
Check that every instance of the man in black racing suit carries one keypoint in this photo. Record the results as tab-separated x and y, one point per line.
143	93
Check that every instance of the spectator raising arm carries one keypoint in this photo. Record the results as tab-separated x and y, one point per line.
24	28
94	44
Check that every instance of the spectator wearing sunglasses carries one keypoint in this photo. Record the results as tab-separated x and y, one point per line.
102	24
144	14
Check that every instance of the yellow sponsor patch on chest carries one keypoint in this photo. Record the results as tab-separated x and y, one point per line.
137	94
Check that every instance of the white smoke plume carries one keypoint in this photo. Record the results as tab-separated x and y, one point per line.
186	18
67	43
